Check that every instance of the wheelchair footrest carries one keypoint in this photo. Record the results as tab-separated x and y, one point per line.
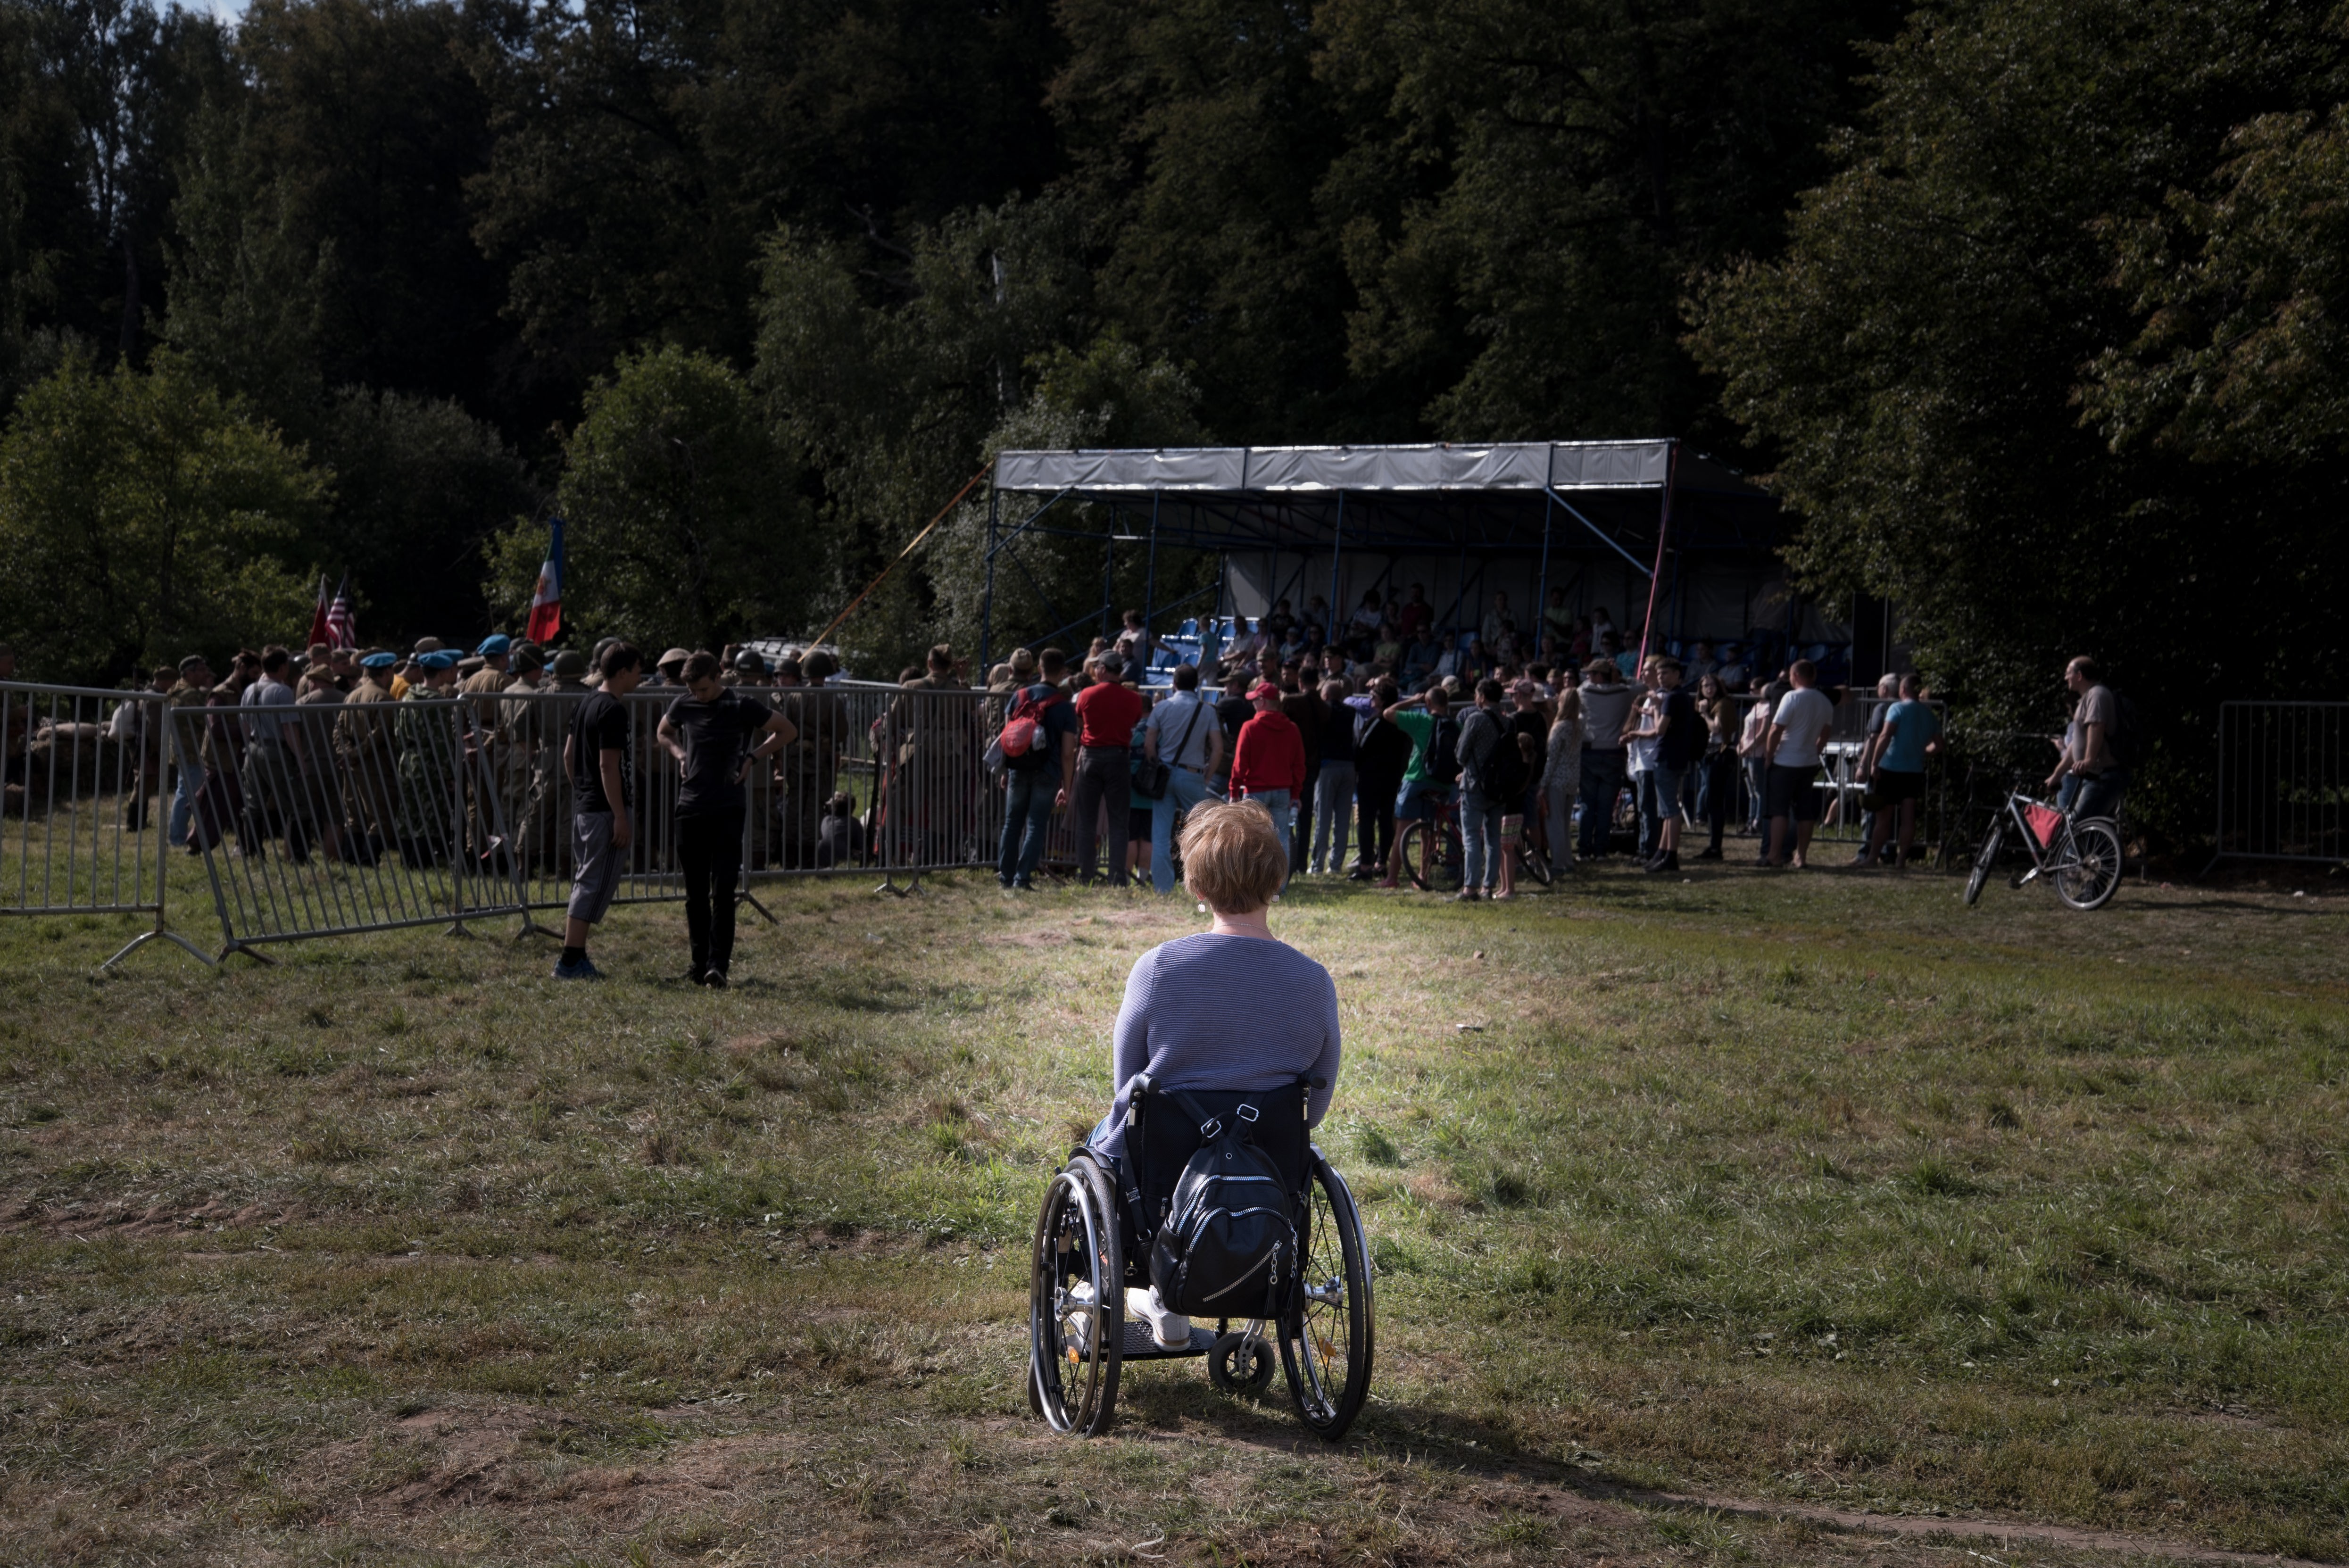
1141	1347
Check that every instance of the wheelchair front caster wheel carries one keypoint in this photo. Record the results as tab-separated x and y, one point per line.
1223	1372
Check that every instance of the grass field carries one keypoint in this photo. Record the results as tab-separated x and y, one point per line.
1696	1206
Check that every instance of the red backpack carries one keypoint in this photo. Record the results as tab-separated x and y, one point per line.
1024	744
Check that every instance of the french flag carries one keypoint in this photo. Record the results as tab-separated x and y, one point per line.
546	603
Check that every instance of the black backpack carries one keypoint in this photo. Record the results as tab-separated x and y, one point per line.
1228	1243
1444	751
2121	744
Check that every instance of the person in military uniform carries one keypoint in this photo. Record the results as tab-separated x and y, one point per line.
182	745
485	824
425	727
522	735
220	799
363	740
930	747
808	770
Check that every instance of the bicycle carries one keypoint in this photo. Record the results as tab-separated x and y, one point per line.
2081	856
1434	858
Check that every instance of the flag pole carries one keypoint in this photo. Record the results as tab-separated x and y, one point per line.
825	635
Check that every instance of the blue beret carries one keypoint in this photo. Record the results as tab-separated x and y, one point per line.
379	661
494	645
439	659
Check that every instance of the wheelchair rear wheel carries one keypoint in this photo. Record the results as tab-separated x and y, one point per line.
1076	1308
1326	1345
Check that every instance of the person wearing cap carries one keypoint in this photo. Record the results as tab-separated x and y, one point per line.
1269	762
483	677
942	759
194	684
220	798
668	669
1107	712
426	730
719	737
808	770
280	779
526	739
363	740
601	763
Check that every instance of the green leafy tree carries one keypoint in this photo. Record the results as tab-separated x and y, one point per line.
1215	160
1571	162
646	149
680	524
1918	356
2244	296
1109	395
885	390
423	489
142	517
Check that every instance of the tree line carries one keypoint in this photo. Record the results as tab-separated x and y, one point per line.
2029	308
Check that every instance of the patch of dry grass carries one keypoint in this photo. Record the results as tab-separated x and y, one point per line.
1823	1191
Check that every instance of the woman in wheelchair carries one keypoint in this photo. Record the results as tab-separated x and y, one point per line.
1200	1192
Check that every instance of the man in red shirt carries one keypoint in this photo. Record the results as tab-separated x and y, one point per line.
1268	763
1107	712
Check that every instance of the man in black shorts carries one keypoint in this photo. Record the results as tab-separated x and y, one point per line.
715	733
597	756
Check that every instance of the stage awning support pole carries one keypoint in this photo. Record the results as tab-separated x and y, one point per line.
1150	587
1541	583
1337	548
1663	533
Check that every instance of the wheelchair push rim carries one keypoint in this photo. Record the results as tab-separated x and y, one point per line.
1326	1346
1075	1344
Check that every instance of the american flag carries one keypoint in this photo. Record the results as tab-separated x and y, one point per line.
342	631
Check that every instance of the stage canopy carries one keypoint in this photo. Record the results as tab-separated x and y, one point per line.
1466	521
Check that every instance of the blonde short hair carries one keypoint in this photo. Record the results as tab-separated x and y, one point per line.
1233	858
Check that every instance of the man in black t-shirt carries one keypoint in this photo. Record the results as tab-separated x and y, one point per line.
715	732
597	756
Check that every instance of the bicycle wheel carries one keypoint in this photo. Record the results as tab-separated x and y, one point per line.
2088	865
1534	864
1432	856
1326	1345
1985	858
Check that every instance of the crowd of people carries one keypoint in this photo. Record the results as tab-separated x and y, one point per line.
1561	760
1341	744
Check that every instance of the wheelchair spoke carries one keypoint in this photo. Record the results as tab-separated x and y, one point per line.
1327	1346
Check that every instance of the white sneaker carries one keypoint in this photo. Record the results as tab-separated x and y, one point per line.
1171	1330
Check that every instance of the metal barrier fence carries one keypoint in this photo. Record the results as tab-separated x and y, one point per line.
334	817
367	814
82	811
2282	781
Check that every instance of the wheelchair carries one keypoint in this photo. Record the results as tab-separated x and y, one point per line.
1093	1241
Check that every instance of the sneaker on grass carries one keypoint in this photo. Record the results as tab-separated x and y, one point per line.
582	970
